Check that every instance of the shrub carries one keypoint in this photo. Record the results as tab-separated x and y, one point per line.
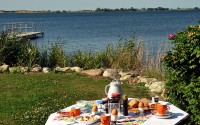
183	69
57	56
17	51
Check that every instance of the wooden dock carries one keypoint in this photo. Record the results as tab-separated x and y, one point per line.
30	35
24	30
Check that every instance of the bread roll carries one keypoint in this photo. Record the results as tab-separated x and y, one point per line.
145	101
133	103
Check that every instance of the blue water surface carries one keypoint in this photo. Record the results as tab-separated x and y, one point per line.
94	31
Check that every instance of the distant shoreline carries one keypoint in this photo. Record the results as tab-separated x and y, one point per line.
99	10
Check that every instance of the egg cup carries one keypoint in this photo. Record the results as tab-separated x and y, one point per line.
94	113
141	110
114	118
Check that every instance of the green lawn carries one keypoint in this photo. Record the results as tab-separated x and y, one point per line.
28	99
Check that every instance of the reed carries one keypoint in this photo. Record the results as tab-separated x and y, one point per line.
123	55
82	59
44	59
57	56
152	62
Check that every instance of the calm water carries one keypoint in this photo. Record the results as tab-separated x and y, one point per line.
93	31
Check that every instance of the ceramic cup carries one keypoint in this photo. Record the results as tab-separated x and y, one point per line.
105	119
162	108
75	112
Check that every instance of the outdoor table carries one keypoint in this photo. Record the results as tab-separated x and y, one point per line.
179	115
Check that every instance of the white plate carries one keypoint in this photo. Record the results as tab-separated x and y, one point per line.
87	122
64	120
167	115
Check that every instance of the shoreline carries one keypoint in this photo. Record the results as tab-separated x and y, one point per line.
92	11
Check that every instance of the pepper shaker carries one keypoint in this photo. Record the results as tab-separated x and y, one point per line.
125	105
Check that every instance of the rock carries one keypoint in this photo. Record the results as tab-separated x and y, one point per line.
125	77
46	69
146	85
14	69
36	69
65	69
76	69
4	68
131	73
111	73
93	72
142	79
57	68
19	69
148	81
23	69
157	87
132	80
151	80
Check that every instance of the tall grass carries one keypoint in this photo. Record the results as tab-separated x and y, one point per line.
123	55
44	59
152	63
127	54
57	56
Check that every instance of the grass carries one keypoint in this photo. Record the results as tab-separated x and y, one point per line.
31	98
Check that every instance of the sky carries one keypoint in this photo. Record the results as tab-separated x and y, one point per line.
93	4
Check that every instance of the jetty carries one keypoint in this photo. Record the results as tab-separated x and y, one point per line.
23	30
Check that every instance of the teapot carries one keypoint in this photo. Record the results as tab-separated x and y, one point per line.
113	87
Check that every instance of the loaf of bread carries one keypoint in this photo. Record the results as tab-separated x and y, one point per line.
145	101
133	103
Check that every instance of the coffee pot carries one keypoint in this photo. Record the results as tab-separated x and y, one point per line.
113	87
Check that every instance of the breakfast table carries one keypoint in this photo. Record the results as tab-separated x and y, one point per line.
177	116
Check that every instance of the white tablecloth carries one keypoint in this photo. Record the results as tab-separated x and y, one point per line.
176	118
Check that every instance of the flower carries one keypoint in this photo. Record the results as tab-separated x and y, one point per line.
190	34
171	36
163	57
174	58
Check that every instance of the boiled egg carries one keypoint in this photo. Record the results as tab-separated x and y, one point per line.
114	112
141	105
94	108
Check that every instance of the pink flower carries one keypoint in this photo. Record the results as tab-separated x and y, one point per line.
171	36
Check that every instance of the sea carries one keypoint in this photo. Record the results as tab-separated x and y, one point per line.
94	31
